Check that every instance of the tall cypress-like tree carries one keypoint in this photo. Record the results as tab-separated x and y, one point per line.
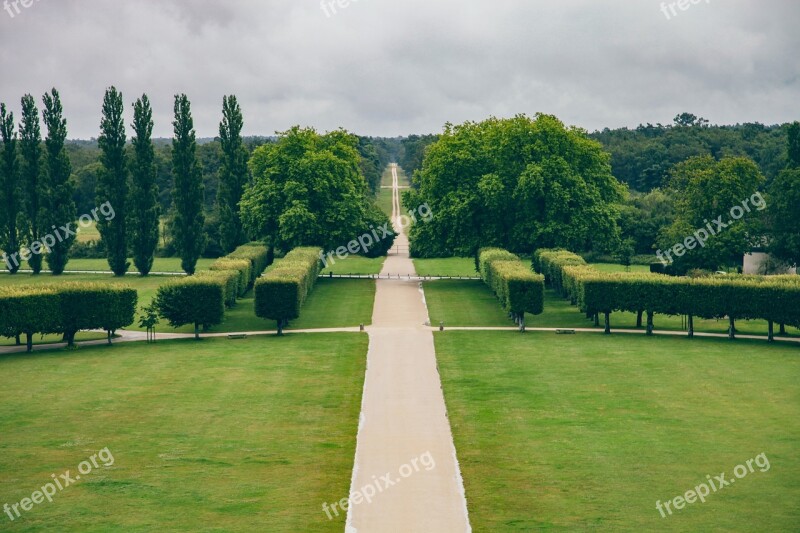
10	192
783	204
32	178
144	209
233	175
188	189
112	184
60	213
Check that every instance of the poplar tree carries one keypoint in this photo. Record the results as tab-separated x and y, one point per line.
32	178
112	183
60	213
233	175
189	221
144	209
10	193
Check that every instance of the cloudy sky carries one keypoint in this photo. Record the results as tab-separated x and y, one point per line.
381	67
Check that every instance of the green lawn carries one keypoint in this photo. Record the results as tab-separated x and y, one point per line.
587	432
216	435
354	264
384	201
450	266
88	233
160	264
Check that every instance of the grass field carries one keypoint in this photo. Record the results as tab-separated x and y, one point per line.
450	266
611	267
384	201
217	435
160	264
584	432
403	179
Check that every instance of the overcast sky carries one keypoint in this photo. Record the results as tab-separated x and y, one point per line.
381	67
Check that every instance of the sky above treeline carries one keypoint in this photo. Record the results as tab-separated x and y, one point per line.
388	68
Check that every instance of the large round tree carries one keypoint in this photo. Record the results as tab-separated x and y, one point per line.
518	184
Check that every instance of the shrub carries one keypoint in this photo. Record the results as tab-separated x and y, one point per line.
242	266
283	289
192	300
230	280
519	289
259	256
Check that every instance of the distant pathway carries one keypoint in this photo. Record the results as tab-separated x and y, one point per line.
404	418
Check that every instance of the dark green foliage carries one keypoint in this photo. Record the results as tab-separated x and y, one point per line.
519	289
144	209
282	291
308	190
192	300
112	185
32	177
187	196
11	200
65	308
517	184
60	206
784	205
233	175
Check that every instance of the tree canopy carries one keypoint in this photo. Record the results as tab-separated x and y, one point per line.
517	184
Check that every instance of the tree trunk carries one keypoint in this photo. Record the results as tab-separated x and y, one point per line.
596	319
70	338
691	326
280	327
639	318
196	331
731	328
782	330
108	331
771	336
18	340
522	323
608	323
650	326
29	341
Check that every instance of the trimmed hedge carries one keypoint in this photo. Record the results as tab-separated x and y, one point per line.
66	309
198	300
519	289
283	289
230	280
242	267
257	254
771	298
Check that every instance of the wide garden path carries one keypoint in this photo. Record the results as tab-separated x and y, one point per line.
404	431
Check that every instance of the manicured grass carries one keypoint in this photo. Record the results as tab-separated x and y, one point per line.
384	201
463	303
88	233
160	264
354	264
450	266
217	435
587	432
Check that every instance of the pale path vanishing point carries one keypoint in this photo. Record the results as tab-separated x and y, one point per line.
404	416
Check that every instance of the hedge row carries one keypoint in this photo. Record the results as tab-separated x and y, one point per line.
283	289
198	300
65	309
771	298
259	256
519	289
